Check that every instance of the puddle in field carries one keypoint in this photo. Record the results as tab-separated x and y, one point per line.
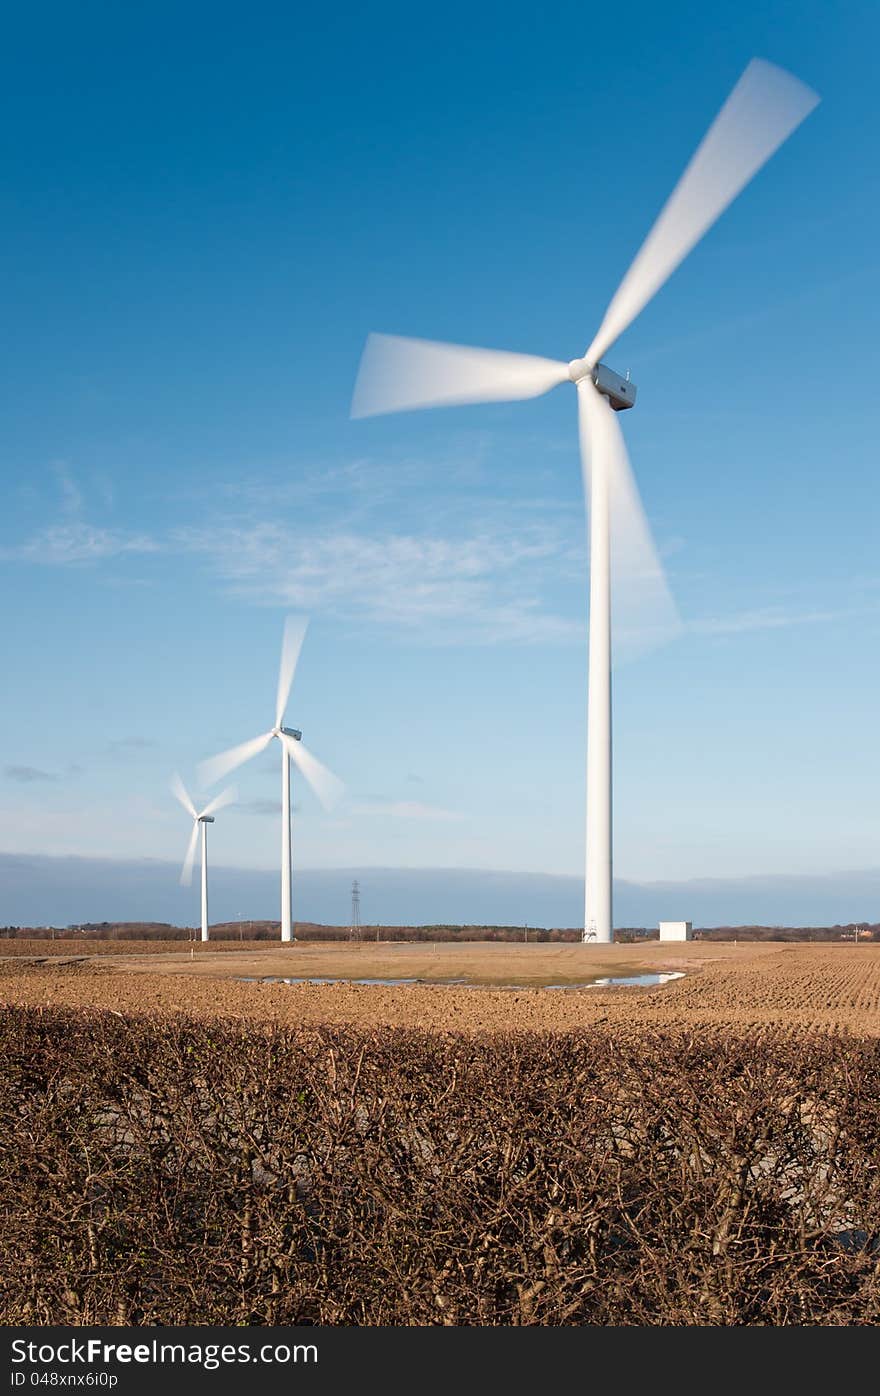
637	980
630	980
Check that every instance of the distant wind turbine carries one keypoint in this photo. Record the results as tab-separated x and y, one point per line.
326	786
398	374
206	817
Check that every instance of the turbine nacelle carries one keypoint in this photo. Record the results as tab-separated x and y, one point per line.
206	819
620	392
292	732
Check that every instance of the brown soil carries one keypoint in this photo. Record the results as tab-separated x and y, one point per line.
828	987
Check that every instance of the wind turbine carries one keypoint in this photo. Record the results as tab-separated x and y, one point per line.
398	374
206	817
326	786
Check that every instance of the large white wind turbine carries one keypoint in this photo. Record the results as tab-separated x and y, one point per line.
398	374
326	786
202	820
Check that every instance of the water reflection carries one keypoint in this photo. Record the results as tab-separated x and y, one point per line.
641	981
628	980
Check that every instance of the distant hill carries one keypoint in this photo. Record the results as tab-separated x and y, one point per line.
42	890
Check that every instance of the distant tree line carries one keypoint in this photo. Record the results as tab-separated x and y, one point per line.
308	930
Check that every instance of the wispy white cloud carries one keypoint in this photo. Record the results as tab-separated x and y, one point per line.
71	538
762	618
362	485
479	568
71	494
486	586
62	544
483	587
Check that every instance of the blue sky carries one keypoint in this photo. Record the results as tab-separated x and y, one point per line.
206	209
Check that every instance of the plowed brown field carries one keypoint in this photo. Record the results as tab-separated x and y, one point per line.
745	985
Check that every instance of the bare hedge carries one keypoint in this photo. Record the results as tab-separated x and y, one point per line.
172	1172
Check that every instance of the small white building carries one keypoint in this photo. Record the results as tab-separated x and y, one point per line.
676	930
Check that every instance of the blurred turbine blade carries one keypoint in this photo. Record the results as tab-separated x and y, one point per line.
226	797
294	634
643	613
397	374
763	109
216	767
186	871
326	785
180	792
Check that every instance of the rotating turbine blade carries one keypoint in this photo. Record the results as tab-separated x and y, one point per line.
226	797
218	766
186	871
643	613
763	109
294	634
398	374
179	791
325	784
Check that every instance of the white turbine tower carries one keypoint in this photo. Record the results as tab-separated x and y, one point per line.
202	820
398	374
326	786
